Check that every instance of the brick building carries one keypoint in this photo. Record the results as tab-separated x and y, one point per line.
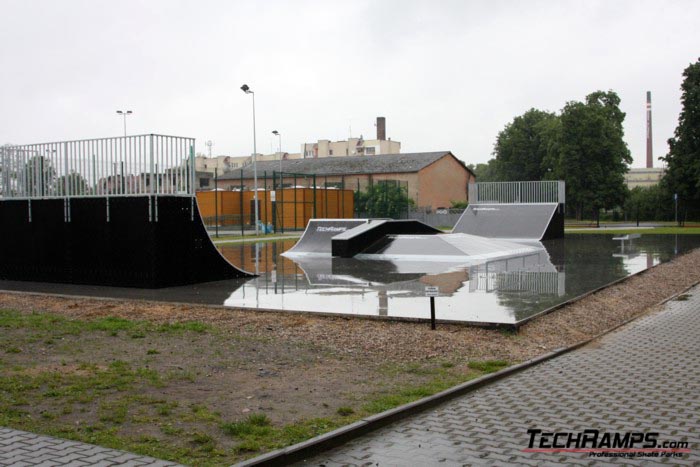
434	179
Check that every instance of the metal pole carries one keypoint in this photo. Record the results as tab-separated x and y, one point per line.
275	214
255	169
675	199
216	201
314	178
432	313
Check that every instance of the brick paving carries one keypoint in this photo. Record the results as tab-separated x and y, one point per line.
644	377
20	449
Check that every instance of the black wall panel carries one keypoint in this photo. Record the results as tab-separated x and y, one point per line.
125	241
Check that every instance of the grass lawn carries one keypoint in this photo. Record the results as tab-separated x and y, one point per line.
191	392
652	231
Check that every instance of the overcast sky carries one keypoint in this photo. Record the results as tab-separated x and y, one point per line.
447	75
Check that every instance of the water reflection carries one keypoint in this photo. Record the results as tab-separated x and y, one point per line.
502	291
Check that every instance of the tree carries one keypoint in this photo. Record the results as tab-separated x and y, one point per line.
383	199
484	172
77	185
589	152
522	146
37	177
683	159
648	204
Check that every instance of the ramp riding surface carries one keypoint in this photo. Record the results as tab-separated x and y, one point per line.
514	221
318	234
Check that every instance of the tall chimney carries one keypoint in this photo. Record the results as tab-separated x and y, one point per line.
650	157
381	128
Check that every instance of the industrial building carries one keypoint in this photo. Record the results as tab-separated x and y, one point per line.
433	179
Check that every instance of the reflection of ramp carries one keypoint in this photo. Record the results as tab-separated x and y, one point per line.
135	241
352	272
533	273
535	221
317	236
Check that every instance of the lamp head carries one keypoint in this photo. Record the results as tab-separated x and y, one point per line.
246	89
275	132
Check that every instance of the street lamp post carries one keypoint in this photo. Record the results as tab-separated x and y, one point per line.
279	135
124	113
247	90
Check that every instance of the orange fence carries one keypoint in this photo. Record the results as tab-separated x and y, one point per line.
291	209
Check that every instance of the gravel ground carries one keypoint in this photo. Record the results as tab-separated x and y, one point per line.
403	341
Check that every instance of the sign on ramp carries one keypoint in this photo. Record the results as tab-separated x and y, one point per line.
318	234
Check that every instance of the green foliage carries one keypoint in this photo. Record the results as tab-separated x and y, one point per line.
683	159
384	199
522	146
592	156
110	324
485	172
37	176
649	204
488	366
583	146
459	204
655	231
75	184
256	425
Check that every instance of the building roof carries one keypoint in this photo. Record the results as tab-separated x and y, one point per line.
346	165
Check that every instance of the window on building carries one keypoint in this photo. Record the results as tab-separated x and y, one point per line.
330	152
203	182
369	151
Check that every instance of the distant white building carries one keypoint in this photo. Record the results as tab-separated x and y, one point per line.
321	148
644	177
353	146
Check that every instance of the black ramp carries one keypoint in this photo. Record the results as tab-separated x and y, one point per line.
142	242
517	221
318	234
352	242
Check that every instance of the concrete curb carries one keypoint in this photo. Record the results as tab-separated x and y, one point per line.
314	446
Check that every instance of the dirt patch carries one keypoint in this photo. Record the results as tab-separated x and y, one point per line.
183	386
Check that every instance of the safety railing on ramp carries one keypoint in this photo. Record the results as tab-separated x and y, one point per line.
548	191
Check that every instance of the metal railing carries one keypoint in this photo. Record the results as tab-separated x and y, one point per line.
122	166
517	192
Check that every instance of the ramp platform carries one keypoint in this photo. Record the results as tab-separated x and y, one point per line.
521	221
352	242
316	239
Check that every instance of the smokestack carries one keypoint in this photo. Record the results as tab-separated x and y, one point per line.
650	157
381	128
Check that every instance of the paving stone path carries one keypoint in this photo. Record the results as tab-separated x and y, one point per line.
20	449
644	377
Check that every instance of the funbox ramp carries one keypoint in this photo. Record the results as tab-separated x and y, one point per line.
316	239
135	241
522	221
346	237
